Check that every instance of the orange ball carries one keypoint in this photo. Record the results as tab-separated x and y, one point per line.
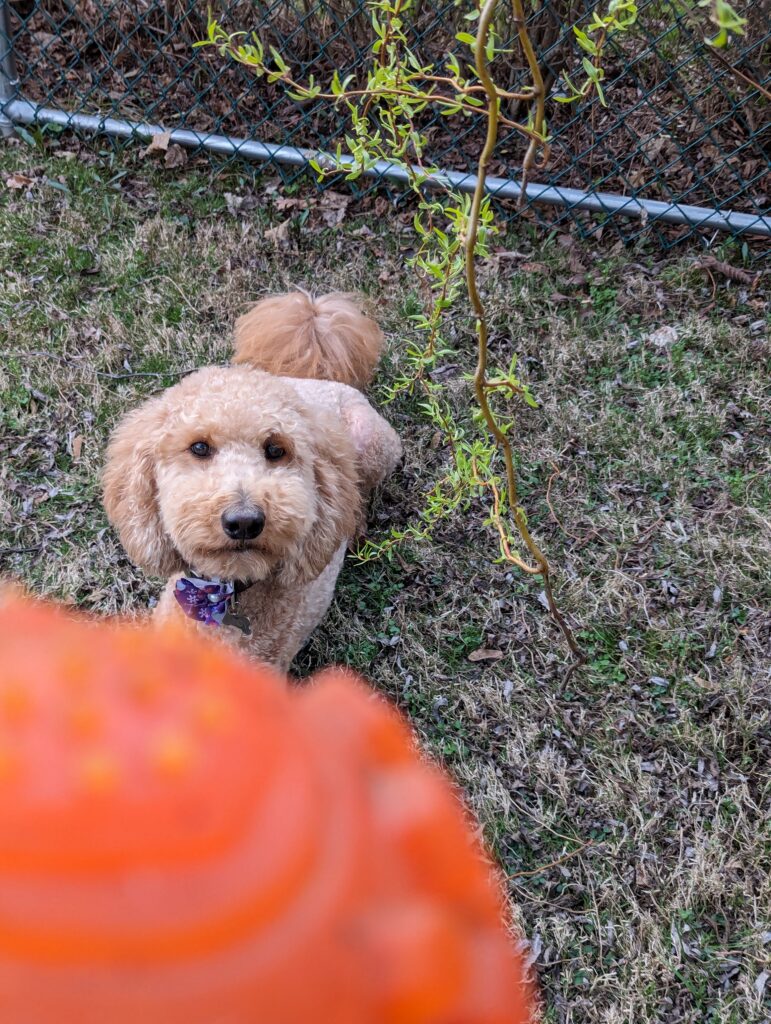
185	839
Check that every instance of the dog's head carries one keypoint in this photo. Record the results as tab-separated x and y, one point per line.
230	474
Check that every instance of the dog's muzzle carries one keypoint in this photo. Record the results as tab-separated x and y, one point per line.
243	524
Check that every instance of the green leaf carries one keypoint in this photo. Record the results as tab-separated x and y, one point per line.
593	73
24	135
584	41
278	60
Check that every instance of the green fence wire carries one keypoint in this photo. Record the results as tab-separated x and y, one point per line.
680	150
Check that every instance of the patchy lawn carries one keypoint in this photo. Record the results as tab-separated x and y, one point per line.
629	806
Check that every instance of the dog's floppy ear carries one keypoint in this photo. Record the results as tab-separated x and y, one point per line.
130	495
338	497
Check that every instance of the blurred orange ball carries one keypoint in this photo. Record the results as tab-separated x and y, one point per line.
185	839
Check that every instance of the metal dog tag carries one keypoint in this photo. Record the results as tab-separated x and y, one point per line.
239	621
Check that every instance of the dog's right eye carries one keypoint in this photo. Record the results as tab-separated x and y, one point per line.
200	449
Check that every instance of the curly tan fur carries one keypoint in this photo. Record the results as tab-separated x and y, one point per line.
297	335
167	504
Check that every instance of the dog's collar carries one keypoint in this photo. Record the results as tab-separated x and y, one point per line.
211	601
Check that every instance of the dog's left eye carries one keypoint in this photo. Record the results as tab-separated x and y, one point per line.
274	452
200	449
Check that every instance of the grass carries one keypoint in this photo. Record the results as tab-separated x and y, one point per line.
628	805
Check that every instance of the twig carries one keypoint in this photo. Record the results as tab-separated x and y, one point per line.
78	361
541	565
539	92
549	505
735	71
407	86
182	295
38	354
147	373
403	88
553	863
735	274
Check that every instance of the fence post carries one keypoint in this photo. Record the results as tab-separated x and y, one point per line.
8	79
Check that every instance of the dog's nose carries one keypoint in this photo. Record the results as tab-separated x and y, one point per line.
242	525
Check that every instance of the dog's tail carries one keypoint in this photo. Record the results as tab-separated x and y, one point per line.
297	335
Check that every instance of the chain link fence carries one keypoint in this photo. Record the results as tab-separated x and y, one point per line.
680	150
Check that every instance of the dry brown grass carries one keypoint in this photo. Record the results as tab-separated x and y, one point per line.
629	807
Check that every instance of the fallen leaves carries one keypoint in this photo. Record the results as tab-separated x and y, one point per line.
159	143
309	212
236	205
760	983
663	338
279	235
161	146
17	180
289	203
333	206
176	156
76	447
485	654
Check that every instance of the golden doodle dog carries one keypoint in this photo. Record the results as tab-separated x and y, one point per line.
244	484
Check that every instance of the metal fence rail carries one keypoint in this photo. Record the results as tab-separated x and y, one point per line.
680	149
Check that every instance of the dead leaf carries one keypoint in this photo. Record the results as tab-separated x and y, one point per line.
333	207
290	203
279	235
239	204
653	146
485	654
18	180
735	274
677	941
663	337
331	198
175	156
333	218
159	143
76	447
534	268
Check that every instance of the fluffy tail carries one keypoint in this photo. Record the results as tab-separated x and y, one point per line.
297	335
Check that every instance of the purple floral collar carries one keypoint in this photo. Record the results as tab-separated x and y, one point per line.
211	602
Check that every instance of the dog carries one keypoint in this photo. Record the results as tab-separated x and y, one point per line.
245	484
